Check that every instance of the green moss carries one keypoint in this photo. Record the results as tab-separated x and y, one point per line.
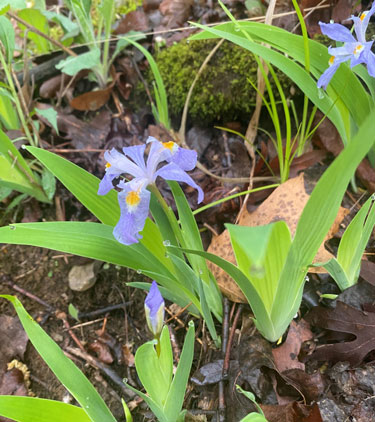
222	92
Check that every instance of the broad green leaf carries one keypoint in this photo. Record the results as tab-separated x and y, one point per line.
48	183
262	318
8	150
254	417
128	415
149	372
91	240
295	46
11	177
68	25
83	185
261	252
7	37
36	18
33	409
8	114
206	313
191	239
4	192
107	10
81	10
166	355
177	390
64	369
155	408
15	4
249	245
72	65
315	221
337	273
354	240
50	114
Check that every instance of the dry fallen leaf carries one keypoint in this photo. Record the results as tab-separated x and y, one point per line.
93	100
285	203
286	356
344	319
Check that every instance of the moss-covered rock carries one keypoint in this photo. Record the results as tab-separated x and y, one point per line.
222	92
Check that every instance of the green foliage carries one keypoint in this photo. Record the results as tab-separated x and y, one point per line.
180	283
275	303
165	392
36	18
127	6
8	115
345	268
93	406
254	416
222	91
160	111
15	173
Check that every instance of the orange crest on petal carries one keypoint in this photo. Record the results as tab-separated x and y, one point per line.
108	165
133	199
169	145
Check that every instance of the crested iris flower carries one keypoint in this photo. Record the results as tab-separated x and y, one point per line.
357	50
154	309
134	198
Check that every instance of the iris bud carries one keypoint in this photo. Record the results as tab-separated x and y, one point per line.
154	309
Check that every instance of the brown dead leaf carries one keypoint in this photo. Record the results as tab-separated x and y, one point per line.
344	319
177	12
285	203
85	134
128	356
368	271
311	386
49	88
13	340
292	412
102	351
286	356
133	21
93	100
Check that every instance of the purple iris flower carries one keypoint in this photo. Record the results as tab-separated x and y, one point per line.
154	309
356	50
134	198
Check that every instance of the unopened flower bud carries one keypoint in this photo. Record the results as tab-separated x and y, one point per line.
154	308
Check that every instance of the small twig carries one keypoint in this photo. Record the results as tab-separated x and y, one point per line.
211	229
174	343
225	329
230	341
97	312
181	311
173	316
85	324
27	294
97	364
41	34
63	317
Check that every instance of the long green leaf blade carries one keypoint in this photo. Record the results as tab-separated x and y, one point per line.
64	369
32	409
